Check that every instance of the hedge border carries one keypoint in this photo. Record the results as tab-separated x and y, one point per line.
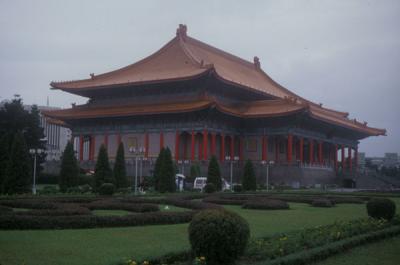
323	252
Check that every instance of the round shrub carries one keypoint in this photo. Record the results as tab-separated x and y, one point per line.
107	189
218	235
381	208
237	188
322	203
265	204
210	188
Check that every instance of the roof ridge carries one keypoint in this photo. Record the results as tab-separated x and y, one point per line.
221	52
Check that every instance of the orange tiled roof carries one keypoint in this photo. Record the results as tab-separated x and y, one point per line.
185	58
255	109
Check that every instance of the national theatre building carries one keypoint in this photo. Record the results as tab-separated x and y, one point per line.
200	102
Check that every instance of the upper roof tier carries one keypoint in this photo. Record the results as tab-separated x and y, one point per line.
182	58
185	58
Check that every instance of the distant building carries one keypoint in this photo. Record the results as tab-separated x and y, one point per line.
361	160
391	160
56	133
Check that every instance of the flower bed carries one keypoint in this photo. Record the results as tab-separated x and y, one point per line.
283	244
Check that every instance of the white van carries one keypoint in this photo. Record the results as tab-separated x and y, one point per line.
199	184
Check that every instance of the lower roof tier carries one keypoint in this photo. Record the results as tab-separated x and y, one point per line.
249	110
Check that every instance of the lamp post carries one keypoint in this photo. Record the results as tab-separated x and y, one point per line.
34	152
228	158
183	162
137	152
263	162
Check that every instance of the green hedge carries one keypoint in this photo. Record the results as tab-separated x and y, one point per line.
21	222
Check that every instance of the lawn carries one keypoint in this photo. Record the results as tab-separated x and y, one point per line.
109	245
384	252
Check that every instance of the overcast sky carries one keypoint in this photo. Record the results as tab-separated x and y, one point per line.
344	54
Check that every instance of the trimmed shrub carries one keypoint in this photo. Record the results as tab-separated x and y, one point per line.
48	190
166	179
103	173
214	174
218	235
266	204
121	180
117	205
381	208
209	188
5	209
249	177
237	188
322	203
69	174
107	189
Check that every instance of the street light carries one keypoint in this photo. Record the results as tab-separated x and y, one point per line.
228	158
137	152
34	152
263	162
183	162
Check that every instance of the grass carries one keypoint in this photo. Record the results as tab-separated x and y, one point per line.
110	212
107	246
384	252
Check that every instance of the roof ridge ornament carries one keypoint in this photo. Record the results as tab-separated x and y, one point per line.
92	76
257	63
181	31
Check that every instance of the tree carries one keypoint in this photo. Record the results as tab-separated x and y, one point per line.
102	173
14	118
5	148
249	177
18	172
166	180
194	172
157	169
214	173
121	180
69	173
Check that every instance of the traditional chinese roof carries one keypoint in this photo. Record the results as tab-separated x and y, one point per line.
180	59
185	58
253	109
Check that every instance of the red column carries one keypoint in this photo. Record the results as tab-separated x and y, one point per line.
213	141
177	134
276	149
263	149
92	147
232	147
205	144
311	151
241	148
336	157
192	147
289	148
185	144
343	159
161	140
106	141
118	139
146	145
320	152
350	162
81	147
301	149
222	154
200	149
